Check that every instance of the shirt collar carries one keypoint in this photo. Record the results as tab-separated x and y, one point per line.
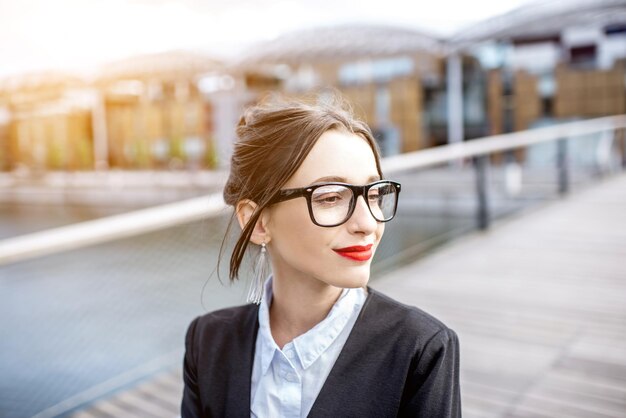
310	345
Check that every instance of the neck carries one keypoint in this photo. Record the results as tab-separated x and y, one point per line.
298	305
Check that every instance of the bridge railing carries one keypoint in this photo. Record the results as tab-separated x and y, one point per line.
608	148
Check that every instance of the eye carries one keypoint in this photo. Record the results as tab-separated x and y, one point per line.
328	199
331	196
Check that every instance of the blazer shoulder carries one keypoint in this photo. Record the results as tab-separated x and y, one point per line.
414	321
224	321
228	315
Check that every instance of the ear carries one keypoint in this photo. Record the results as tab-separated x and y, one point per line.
244	210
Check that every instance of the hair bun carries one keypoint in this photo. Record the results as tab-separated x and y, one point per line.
247	118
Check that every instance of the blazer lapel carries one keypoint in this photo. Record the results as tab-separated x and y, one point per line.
337	386
238	402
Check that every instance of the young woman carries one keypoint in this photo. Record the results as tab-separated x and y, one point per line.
307	187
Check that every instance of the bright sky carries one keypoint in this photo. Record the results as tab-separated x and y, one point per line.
80	34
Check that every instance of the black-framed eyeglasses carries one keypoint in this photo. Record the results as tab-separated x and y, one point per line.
332	204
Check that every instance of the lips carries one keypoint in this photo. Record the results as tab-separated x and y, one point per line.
357	252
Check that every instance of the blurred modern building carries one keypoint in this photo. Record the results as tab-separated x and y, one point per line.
391	75
542	63
155	112
551	61
138	113
45	122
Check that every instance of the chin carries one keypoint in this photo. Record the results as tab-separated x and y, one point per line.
356	279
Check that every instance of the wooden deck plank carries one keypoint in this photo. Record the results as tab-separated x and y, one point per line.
170	399
142	404
158	397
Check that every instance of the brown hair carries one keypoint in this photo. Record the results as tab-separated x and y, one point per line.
274	138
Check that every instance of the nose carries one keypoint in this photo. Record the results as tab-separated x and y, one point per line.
362	219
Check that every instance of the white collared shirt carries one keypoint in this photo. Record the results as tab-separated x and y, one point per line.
285	383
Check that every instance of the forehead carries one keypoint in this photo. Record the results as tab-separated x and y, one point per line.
337	154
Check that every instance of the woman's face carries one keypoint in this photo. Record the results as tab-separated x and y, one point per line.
298	248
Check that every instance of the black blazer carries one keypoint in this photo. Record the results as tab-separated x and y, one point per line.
398	361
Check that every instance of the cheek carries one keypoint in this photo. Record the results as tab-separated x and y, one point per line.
296	237
380	231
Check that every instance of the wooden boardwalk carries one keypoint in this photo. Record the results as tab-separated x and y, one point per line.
538	302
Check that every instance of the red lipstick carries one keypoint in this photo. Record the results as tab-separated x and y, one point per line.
357	252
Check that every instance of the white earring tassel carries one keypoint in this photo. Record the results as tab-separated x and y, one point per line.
255	292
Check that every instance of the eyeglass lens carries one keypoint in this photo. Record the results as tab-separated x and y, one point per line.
331	204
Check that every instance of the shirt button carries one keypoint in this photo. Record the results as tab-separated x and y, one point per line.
290	354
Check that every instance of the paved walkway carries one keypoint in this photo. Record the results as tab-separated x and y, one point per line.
538	303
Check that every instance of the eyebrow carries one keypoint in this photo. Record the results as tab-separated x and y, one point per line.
341	179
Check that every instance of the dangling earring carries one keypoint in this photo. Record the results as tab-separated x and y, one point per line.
255	292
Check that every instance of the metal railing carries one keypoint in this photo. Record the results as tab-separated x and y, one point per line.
478	150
